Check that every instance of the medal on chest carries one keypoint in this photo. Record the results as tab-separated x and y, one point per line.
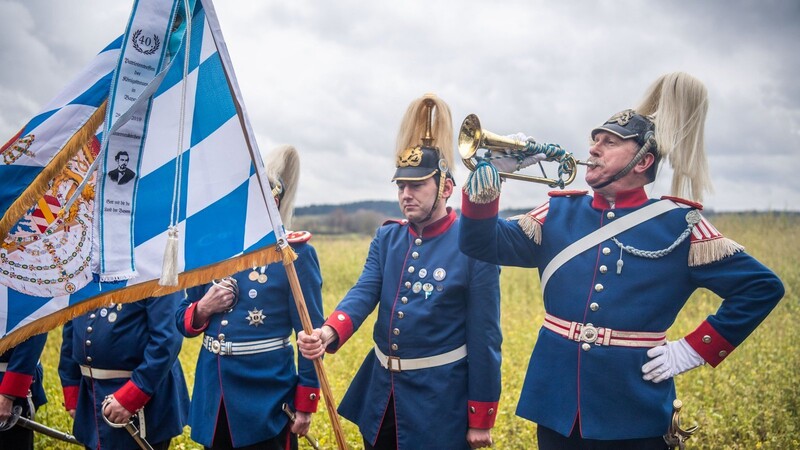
256	317
258	274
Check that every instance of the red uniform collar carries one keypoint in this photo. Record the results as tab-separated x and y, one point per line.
625	199
438	227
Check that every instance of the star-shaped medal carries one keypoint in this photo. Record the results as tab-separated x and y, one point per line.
256	317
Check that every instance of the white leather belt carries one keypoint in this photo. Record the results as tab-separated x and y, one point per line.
395	364
591	334
225	348
104	374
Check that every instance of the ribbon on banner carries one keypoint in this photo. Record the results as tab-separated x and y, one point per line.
144	52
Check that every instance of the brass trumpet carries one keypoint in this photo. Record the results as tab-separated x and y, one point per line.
472	137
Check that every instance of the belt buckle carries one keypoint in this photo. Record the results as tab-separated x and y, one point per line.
393	364
215	346
588	333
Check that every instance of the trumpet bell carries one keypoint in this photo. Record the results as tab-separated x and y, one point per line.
469	137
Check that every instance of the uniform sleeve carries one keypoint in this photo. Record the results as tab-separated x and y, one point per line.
484	339
484	236
161	352
68	369
362	298
22	366
749	291
185	312
310	277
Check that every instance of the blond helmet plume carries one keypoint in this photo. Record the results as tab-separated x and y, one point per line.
414	125
283	167
678	103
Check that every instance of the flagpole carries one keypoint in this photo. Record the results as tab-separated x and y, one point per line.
272	211
305	319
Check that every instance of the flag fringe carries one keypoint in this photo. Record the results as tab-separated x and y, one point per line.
41	183
267	255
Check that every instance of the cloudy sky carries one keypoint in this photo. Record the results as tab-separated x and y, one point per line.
334	78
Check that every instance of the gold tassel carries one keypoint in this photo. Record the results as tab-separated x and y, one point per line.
169	269
706	252
41	183
531	227
152	288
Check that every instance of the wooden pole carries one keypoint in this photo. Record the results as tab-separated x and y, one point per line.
302	311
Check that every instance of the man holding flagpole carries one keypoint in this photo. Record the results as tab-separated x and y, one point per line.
432	379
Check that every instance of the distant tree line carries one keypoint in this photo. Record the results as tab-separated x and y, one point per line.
365	217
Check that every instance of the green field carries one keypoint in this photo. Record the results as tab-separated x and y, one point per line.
750	401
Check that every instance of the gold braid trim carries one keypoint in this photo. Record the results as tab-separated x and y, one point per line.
706	252
41	183
202	275
530	226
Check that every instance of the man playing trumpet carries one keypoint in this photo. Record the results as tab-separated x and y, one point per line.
616	268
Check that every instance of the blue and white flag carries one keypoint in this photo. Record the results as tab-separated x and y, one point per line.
210	195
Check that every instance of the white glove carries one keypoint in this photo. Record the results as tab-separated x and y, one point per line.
506	158
670	359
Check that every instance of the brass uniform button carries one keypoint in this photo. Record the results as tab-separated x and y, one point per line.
312	396
88	329
340	317
611	214
603	269
723	353
400	314
706	339
586	347
606	251
404	300
88	343
418	241
490	411
408	284
221	337
396	331
410	269
224	322
88	359
472	409
415	255
394	347
594	306
598	287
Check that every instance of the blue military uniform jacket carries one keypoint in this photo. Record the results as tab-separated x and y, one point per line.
139	337
21	372
254	386
431	299
603	385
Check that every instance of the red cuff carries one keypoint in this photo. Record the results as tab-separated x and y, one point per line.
482	414
188	316
706	341
478	211
71	397
131	397
306	399
343	325
16	384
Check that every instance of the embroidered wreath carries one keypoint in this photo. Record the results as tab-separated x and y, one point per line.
135	38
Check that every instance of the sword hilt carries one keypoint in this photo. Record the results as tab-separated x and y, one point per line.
676	436
311	439
129	426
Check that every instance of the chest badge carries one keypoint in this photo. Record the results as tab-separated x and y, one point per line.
256	317
252	293
439	274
